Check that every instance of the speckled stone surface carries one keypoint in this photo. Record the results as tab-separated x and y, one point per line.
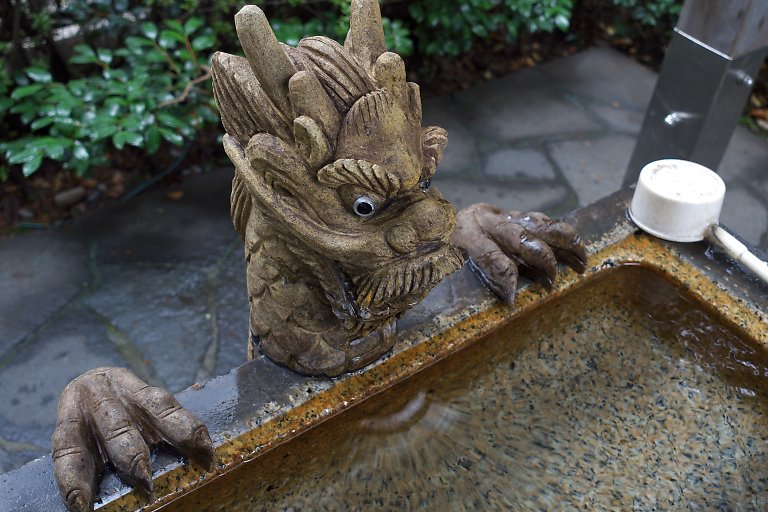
596	401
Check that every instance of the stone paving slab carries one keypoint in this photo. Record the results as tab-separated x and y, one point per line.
70	344
745	160
619	119
140	285
739	214
155	229
528	94
519	164
589	164
603	76
163	314
547	197
231	314
39	273
461	157
159	285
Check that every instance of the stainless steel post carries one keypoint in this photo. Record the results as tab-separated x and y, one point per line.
702	89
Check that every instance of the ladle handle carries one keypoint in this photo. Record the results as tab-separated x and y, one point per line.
738	251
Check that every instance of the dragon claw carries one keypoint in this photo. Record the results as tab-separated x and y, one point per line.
502	244
110	415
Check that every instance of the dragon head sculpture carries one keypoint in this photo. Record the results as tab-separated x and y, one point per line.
331	193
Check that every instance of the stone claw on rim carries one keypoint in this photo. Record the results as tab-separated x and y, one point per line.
501	244
110	416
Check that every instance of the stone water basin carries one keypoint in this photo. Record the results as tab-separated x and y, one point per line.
639	385
626	392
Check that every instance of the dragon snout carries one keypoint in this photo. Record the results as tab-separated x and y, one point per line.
423	222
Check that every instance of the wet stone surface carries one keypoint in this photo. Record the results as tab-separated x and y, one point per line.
39	273
158	285
520	164
545	196
602	76
231	314
461	156
155	229
168	324
527	94
589	164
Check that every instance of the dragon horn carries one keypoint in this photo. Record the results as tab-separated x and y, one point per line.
310	99
269	62
365	38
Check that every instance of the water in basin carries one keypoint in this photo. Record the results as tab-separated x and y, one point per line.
625	394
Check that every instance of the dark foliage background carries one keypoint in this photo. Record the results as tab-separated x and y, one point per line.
101	98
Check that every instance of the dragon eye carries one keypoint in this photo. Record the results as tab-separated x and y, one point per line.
426	184
364	206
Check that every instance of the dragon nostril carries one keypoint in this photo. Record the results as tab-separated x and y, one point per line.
402	238
431	219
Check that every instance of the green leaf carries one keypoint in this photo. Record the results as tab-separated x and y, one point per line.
137	41
80	166
131	122
183	55
168	39
63	121
84	54
41	123
208	114
192	24
105	56
27	90
30	166
154	56
21	79
171	120
480	31
122	138
103	129
203	42
149	29
5	104
77	87
80	152
175	25
54	147
38	74
171	136
24	155
153	140
135	139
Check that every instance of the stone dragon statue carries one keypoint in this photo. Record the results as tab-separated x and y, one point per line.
342	231
331	191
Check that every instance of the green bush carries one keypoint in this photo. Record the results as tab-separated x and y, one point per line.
451	28
633	19
650	13
139	84
155	88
